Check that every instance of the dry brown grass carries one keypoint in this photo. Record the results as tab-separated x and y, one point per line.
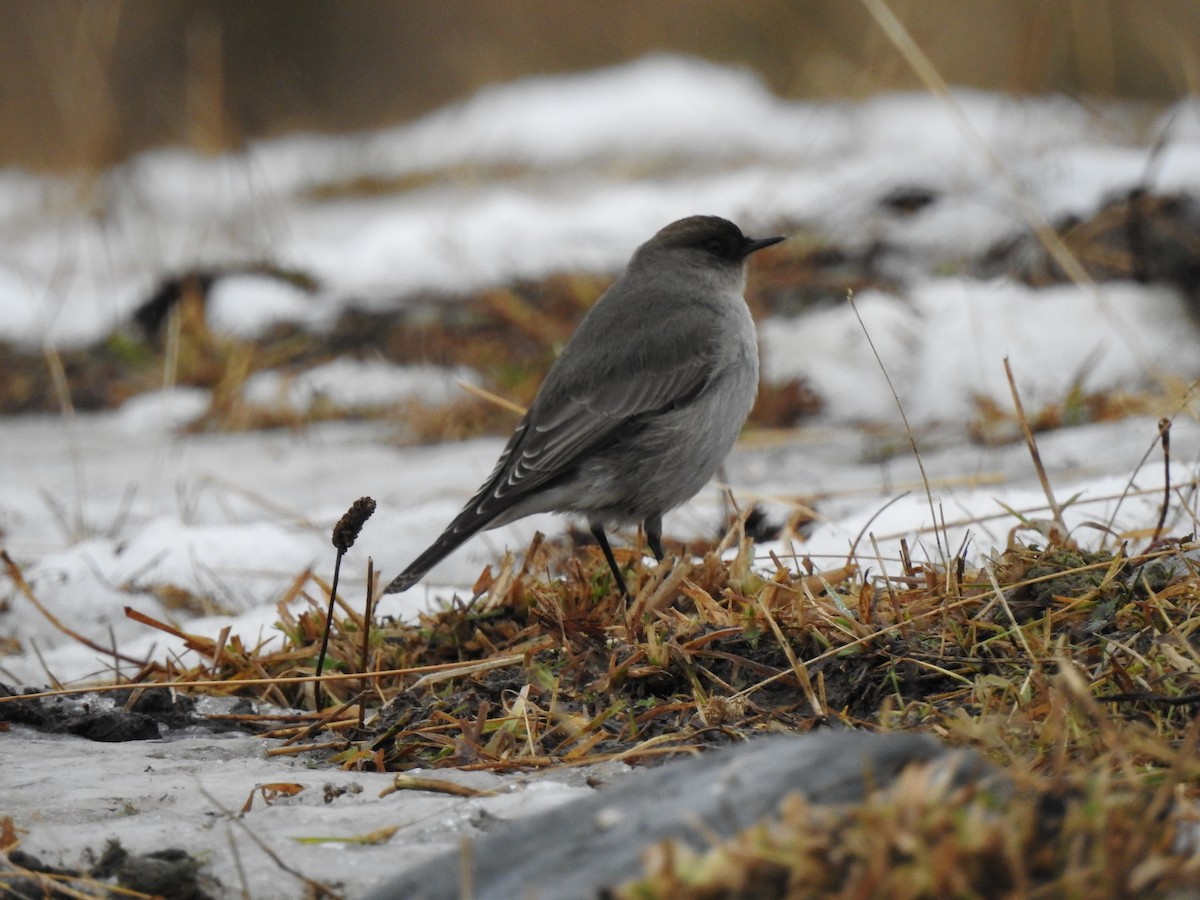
1074	670
509	335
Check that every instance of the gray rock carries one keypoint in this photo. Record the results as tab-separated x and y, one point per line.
576	850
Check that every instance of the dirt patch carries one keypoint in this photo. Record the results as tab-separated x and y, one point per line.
172	874
139	714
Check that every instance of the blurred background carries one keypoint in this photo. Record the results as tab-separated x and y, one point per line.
85	83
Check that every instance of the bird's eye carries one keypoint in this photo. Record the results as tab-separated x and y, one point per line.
716	247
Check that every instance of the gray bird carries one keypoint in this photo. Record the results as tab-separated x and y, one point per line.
642	406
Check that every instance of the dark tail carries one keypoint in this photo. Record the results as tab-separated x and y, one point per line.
481	510
474	517
465	526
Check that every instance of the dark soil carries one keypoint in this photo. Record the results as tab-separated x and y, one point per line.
145	714
172	874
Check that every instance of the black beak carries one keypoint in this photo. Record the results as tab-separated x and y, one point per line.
753	245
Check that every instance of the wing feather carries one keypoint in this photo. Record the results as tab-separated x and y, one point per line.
616	370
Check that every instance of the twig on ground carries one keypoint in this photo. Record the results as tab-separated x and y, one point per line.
1164	434
908	431
1031	444
18	580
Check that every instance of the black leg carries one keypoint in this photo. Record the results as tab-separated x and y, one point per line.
602	540
653	526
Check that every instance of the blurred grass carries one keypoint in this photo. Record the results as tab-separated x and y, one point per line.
510	334
84	84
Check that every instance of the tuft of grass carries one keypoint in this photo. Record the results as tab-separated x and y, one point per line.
1072	668
1070	835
